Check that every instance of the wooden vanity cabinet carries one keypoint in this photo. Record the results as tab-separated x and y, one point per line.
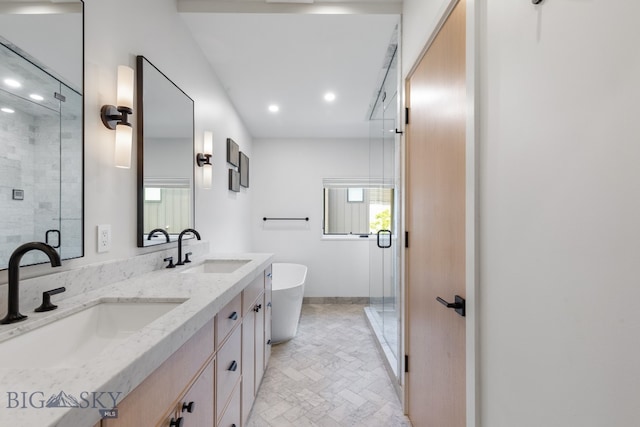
215	374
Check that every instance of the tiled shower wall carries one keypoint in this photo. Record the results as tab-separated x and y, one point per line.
17	145
30	160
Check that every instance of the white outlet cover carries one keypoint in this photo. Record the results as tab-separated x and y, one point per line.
104	238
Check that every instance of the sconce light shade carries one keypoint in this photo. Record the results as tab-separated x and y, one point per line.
207	177
125	87
124	136
117	118
203	160
208	142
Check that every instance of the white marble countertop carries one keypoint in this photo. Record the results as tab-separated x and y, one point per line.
23	392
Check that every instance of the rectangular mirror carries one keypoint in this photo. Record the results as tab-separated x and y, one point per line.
41	128
165	157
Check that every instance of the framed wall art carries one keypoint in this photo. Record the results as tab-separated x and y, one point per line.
233	152
234	180
244	170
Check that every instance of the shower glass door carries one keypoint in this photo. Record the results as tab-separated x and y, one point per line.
383	252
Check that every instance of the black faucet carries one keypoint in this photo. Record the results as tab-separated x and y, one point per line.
182	233
13	297
158	230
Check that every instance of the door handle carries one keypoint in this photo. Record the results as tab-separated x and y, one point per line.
386	233
459	305
46	238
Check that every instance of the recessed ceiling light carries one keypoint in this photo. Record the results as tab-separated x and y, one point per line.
274	108
12	83
329	96
7	110
36	97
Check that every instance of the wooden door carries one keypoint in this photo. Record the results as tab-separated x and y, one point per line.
436	98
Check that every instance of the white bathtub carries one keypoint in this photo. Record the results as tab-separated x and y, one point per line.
286	299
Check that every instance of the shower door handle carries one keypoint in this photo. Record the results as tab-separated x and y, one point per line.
385	242
46	238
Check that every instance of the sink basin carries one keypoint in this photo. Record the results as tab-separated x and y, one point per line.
218	266
81	336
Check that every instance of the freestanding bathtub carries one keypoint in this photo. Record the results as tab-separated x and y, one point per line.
286	299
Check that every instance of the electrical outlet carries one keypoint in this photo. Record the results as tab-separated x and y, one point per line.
104	238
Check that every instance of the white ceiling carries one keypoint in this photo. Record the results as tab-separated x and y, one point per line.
292	59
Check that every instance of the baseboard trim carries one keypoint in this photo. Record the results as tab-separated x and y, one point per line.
335	300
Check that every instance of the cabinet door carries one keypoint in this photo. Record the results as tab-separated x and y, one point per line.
267	316
252	292
259	341
196	408
153	400
248	368
231	416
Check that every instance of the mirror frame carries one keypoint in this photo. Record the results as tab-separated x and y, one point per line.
141	62
55	75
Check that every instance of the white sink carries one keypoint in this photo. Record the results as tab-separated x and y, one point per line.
81	336
225	266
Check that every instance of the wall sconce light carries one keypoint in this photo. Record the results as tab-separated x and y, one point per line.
204	160
117	118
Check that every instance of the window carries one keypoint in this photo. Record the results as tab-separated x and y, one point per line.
356	207
167	204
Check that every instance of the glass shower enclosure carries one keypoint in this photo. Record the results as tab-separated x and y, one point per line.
384	308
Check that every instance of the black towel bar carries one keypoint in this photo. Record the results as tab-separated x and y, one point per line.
285	219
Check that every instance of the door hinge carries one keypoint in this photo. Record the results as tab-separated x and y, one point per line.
406	239
406	363
406	115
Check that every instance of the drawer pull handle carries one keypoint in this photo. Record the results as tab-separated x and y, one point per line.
189	407
233	316
233	366
176	423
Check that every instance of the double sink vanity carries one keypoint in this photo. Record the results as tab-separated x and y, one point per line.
172	347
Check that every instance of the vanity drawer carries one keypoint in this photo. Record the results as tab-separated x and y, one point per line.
227	319
251	293
231	416
228	369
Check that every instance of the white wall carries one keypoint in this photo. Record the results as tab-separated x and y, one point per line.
559	229
286	181
560	213
154	29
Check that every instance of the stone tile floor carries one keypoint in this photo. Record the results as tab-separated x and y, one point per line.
329	375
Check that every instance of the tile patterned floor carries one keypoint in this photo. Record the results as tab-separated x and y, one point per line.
329	375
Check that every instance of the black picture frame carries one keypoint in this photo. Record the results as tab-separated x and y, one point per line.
243	169
233	153
234	180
